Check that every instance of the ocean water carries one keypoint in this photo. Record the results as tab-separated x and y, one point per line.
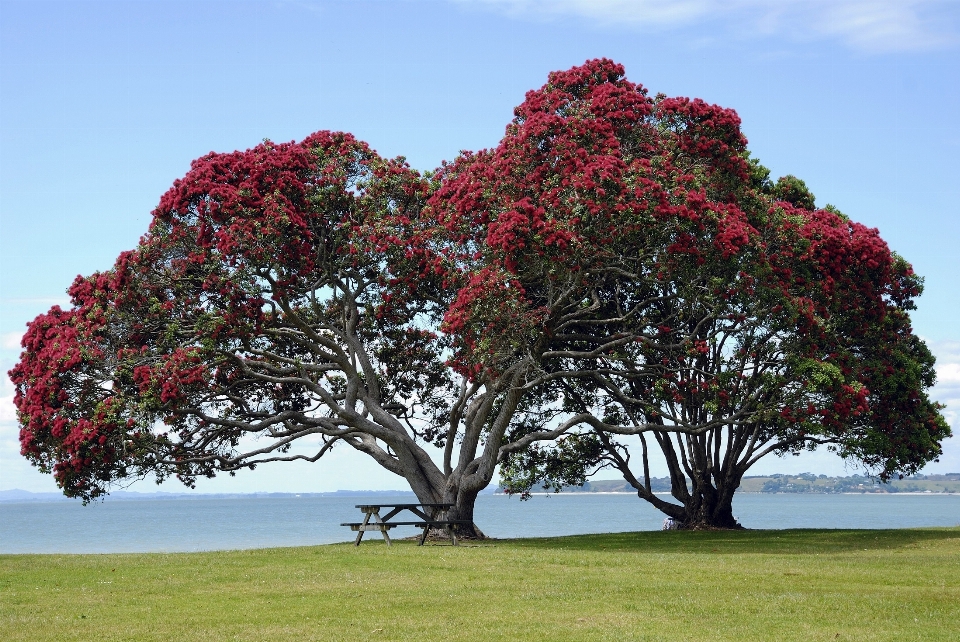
198	524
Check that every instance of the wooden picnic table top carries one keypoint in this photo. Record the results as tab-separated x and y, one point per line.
407	506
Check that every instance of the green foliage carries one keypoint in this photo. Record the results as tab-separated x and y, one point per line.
791	189
568	462
759	175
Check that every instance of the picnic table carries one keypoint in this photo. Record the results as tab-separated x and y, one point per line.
430	516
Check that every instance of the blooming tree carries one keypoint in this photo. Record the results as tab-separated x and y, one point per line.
615	266
291	297
732	319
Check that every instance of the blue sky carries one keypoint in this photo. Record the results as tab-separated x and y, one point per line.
104	104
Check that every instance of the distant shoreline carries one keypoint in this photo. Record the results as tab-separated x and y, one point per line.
777	484
17	496
746	492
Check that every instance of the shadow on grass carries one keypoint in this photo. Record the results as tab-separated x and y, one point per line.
797	541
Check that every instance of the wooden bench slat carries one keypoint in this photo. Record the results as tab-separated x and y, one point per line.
369	527
432	522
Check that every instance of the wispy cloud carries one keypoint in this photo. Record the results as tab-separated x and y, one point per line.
37	300
640	12
873	26
948	374
8	412
888	25
10	340
948	370
947	391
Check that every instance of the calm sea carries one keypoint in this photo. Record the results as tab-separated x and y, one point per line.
252	522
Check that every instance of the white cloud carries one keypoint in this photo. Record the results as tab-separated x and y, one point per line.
8	412
10	340
878	26
11	462
947	391
948	370
866	25
948	374
38	300
642	12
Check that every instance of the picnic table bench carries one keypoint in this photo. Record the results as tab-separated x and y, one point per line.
426	521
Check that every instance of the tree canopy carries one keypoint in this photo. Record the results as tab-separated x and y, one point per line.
765	326
616	266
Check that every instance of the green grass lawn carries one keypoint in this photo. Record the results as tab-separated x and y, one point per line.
751	585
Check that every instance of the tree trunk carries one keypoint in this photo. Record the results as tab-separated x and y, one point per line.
463	506
708	508
451	493
703	504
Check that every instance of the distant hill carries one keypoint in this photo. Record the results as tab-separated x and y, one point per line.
802	483
810	483
18	495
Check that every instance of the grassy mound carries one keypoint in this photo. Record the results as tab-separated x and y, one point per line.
749	585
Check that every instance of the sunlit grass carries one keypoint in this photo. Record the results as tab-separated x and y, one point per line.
751	585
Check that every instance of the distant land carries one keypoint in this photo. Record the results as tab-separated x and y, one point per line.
18	495
802	483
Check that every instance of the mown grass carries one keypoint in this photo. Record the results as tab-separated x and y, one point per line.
753	585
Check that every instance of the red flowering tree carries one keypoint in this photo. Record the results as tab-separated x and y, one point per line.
269	310
285	300
678	296
814	349
614	267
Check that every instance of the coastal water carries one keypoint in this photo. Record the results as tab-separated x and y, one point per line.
196	524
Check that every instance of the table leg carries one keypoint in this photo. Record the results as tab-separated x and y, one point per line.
423	538
366	518
383	529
